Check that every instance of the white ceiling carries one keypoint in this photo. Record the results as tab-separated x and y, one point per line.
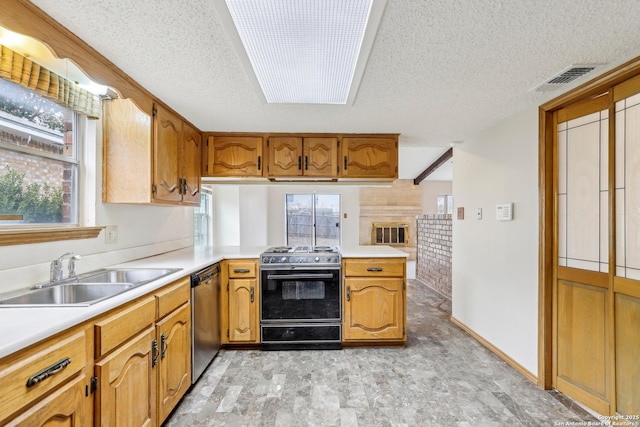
439	70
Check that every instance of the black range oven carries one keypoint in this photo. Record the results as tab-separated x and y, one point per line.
300	298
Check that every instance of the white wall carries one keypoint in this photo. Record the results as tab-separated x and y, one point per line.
495	263
142	231
430	191
256	213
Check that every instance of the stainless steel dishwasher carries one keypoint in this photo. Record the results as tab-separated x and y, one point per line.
205	319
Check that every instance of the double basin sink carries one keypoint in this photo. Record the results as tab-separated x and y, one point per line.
86	289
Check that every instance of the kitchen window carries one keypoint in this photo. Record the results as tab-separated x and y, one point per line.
38	160
313	219
203	220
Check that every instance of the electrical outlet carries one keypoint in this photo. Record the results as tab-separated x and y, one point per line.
479	213
111	234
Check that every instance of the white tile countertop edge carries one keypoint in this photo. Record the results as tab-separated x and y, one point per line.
21	327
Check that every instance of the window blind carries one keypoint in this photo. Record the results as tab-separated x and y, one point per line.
21	70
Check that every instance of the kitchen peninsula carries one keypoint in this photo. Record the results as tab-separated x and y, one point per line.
85	346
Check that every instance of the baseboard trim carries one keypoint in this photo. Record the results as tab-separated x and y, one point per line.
515	365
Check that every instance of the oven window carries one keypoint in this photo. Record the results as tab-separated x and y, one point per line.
302	290
300	298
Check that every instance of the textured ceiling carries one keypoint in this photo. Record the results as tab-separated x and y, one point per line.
439	70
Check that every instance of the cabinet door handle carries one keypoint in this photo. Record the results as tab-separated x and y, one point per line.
348	293
345	163
252	293
163	346
259	162
154	352
374	269
48	371
240	270
306	162
299	162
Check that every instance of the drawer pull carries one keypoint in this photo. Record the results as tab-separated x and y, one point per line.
374	269
241	270
49	371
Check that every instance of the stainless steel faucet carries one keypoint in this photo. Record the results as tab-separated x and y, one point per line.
56	267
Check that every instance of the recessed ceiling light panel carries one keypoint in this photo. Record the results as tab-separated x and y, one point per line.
302	51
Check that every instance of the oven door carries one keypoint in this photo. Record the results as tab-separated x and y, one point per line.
300	295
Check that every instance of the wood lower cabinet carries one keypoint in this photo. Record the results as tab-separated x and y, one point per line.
374	300
290	156
240	314
369	157
237	156
173	334
40	384
126	394
64	407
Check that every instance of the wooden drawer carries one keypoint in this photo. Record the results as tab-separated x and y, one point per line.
242	269
123	324
371	267
65	355
172	297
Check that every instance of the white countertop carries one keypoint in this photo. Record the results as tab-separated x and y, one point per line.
23	326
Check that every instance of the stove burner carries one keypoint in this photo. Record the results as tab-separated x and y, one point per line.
280	249
323	249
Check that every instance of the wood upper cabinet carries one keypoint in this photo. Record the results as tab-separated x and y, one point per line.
298	156
153	159
239	156
374	300
176	166
369	157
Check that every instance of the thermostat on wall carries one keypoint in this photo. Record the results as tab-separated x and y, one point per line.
504	212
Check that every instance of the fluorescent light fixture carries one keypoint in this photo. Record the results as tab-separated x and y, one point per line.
306	51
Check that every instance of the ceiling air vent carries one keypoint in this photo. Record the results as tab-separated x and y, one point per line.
565	77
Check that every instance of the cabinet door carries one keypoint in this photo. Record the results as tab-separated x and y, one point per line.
126	394
174	377
369	157
64	407
191	153
373	309
167	139
234	156
285	156
320	157
243	312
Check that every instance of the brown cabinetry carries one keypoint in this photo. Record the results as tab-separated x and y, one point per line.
173	335
374	299
290	156
369	157
48	372
149	159
235	156
240	316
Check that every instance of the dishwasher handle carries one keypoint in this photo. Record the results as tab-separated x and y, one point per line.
204	275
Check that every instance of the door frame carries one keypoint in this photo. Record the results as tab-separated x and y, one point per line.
547	168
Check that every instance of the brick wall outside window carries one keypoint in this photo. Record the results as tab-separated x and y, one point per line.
433	255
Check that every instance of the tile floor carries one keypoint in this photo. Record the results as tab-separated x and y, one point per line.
442	377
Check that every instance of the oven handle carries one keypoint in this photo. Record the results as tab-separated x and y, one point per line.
299	276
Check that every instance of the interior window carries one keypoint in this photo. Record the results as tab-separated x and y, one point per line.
38	159
313	219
